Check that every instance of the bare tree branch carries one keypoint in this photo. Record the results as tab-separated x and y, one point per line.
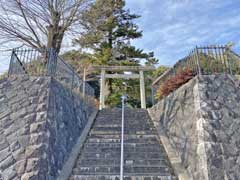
40	23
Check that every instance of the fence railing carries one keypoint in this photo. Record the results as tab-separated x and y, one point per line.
47	63
205	61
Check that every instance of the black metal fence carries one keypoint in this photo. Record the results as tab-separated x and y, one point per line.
47	63
205	61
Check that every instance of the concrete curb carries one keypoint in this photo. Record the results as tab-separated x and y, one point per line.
69	164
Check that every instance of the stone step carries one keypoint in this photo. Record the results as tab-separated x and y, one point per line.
126	131
126	166
126	148
118	127
118	140
119	112
119	115
94	170
126	159
128	155
145	139
118	136
126	123
127	113
116	177
134	145
127	128
130	116
144	155
126	120
114	162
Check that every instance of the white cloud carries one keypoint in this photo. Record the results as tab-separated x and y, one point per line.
171	28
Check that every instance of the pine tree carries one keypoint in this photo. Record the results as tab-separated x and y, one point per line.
108	30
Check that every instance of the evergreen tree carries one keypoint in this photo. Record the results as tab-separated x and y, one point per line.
108	30
107	33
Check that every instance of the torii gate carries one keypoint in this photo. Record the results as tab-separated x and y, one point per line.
140	69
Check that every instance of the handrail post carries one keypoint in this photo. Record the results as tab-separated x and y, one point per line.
124	97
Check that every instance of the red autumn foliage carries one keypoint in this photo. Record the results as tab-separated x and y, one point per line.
174	82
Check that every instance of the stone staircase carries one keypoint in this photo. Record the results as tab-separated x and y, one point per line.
144	155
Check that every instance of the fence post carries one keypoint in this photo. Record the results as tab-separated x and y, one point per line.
152	95
174	71
227	50
198	63
11	61
84	81
51	61
72	79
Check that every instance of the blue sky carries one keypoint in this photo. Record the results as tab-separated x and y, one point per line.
171	28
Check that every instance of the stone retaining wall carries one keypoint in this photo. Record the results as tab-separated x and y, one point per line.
202	121
40	122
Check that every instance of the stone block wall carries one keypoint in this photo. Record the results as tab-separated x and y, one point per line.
202	122
40	122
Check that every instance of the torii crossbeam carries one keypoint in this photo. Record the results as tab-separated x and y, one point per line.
140	75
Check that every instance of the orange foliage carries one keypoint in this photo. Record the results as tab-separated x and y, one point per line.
174	82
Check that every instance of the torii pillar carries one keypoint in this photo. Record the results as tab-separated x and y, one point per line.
102	89
142	90
122	76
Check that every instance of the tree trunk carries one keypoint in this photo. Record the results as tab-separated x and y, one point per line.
55	33
55	38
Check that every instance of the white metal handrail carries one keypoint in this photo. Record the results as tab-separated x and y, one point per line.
124	97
